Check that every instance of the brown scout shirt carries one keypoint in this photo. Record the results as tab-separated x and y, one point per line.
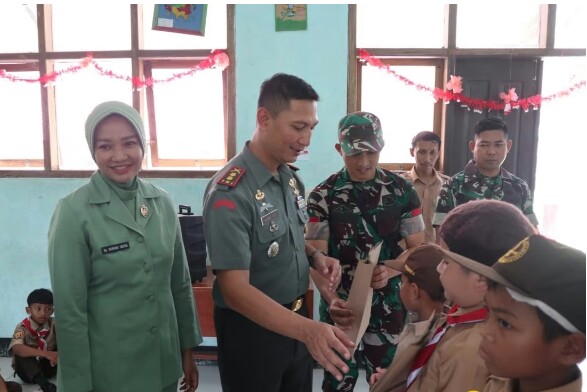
23	336
413	337
427	191
498	384
455	364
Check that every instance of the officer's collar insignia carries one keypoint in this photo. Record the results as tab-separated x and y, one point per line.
516	252
232	176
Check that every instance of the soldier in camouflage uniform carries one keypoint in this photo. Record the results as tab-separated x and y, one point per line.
350	212
483	177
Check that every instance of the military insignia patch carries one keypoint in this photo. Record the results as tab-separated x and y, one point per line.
232	176
516	252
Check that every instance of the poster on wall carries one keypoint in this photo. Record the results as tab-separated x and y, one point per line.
291	17
180	18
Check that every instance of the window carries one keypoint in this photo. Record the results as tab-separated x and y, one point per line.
42	126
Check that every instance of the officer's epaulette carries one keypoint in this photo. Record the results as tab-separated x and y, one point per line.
232	176
292	167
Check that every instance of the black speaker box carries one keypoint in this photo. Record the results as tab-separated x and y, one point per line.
192	233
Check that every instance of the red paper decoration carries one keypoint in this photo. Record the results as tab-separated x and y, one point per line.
218	59
477	105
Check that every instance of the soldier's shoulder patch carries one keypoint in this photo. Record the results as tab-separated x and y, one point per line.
18	335
292	167
232	176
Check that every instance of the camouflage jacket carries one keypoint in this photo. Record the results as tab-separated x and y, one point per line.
391	203
469	185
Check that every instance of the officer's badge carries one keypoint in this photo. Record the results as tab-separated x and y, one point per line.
516	252
232	176
144	210
273	249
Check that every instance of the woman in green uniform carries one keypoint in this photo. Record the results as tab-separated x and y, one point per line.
122	291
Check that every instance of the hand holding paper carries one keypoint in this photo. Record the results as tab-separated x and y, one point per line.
361	294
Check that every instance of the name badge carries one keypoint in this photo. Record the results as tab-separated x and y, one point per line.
115	248
267	218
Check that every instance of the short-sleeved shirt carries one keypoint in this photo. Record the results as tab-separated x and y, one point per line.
389	200
23	336
470	184
498	384
256	223
427	191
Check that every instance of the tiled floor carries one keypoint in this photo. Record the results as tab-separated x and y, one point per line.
209	378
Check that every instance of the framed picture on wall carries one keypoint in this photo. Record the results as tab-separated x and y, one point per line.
180	18
291	17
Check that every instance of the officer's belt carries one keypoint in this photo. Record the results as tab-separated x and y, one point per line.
296	304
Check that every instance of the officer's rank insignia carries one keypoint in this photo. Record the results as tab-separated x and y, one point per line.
232	176
516	252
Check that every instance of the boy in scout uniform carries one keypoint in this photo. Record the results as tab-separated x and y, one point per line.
33	343
254	217
535	333
422	294
481	230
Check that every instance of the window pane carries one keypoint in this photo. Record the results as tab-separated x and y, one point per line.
570	25
400	25
75	97
21	127
559	161
95	27
214	35
190	115
403	111
18	30
510	25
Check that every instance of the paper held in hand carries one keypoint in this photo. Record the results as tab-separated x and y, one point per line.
361	294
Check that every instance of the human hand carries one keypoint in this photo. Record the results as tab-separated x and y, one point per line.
191	376
342	317
324	341
52	356
379	372
380	277
329	268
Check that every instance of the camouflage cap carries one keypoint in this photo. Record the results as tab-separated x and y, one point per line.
360	131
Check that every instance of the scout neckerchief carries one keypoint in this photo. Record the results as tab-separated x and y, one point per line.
39	335
425	352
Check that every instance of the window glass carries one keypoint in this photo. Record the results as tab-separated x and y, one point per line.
91	26
75	97
18	30
190	127
400	25
488	25
570	25
21	127
214	33
403	110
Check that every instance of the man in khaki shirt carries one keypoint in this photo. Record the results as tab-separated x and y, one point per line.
424	177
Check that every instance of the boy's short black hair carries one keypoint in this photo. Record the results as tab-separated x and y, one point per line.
426	136
551	329
277	91
491	124
40	296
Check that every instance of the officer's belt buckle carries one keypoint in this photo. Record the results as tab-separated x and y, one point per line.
297	304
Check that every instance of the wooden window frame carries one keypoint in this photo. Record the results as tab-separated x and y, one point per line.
44	59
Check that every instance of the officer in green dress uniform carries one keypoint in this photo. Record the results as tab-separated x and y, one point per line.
254	217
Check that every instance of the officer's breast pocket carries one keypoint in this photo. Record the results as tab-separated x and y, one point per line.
343	225
271	230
